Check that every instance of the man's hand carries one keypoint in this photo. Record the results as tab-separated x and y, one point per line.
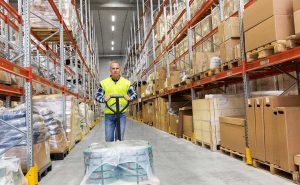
127	98
106	98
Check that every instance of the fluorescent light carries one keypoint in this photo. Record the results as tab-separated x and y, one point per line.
112	42
112	48
113	18
112	28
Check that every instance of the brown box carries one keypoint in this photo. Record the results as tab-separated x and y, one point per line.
251	126
180	127
227	52
188	125
260	129
297	159
297	21
231	28
262	10
296	5
288	136
143	88
221	30
233	133
270	104
277	27
174	78
173	124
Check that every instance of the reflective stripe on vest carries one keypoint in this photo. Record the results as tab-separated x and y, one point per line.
112	88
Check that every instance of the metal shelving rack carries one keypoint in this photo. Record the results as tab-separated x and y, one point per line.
51	55
279	63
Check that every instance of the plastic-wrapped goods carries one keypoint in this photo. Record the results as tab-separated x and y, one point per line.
17	117
54	103
41	155
215	62
10	172
216	18
90	113
5	78
58	141
43	9
125	162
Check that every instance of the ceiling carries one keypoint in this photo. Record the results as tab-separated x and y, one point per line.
102	11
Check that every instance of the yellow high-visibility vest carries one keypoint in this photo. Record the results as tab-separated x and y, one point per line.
111	88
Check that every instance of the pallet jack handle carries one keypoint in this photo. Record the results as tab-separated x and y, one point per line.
117	112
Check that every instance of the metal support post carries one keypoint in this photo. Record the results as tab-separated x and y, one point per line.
7	101
190	34
28	85
48	69
245	77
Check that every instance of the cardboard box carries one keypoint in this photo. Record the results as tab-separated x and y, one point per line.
174	78
182	112
277	27
227	51
231	28
260	129
296	5
173	124
221	32
188	125
215	16
216	42
297	160
297	21
288	136
270	104
232	131
251	127
262	10
206	25
237	52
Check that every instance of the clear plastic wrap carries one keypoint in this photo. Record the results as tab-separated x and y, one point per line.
16	117
124	162
41	155
10	172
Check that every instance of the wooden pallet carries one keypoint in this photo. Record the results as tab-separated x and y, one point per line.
195	77
293	41
44	171
43	33
59	156
174	134
233	154
211	147
231	64
188	138
211	72
267	50
275	170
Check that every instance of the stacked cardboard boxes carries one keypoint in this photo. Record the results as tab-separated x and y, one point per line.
207	112
273	22
272	128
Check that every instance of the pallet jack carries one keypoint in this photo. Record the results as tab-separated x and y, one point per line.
117	112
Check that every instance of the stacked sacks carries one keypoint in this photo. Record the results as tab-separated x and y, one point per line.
11	137
58	141
129	162
10	172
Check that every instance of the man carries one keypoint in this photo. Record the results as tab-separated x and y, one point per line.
115	84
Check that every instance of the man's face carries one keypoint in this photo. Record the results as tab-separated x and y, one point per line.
115	69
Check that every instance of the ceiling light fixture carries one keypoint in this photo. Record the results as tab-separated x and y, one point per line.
112	48
113	18
112	42
112	28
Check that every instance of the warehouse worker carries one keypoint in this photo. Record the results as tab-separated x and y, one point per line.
115	84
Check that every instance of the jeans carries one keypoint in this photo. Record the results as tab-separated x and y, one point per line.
111	127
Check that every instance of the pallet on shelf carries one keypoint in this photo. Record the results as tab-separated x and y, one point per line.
275	170
231	64
233	154
195	77
44	171
210	146
293	41
267	50
211	72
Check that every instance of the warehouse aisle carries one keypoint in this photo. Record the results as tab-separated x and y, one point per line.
176	162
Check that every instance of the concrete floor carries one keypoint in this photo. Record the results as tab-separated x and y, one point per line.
176	162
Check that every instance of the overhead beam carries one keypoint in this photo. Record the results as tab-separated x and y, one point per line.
113	6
